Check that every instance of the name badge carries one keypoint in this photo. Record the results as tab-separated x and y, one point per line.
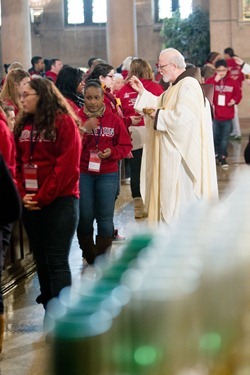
94	162
30	177
221	100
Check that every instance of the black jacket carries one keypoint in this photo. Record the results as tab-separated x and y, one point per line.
10	202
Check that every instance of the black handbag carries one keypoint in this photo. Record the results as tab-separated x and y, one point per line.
10	202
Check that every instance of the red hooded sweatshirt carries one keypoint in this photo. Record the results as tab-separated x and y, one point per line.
111	133
235	71
7	145
128	96
57	160
230	88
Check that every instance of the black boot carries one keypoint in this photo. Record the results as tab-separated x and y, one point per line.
103	244
86	243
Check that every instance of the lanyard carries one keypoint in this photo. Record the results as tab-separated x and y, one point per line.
97	138
32	143
222	86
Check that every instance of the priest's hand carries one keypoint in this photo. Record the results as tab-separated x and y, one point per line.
136	84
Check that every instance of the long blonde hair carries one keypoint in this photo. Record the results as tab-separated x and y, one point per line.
9	90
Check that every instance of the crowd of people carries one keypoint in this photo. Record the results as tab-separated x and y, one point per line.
225	76
65	131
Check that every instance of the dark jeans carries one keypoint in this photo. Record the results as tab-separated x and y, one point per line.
135	171
127	167
221	132
50	231
97	201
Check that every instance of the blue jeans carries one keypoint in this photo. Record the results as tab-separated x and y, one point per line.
221	132
97	201
50	232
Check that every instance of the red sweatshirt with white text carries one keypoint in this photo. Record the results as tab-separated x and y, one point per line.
235	71
229	88
128	96
111	133
57	160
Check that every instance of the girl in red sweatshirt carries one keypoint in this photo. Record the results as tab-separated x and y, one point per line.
106	140
48	160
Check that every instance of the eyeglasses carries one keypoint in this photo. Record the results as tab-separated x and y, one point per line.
160	67
110	76
24	95
221	70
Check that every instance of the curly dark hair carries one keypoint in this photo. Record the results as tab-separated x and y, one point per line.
50	103
67	82
68	79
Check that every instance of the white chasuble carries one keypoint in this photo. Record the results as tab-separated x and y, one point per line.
178	163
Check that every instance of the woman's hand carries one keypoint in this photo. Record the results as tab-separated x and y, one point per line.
135	120
136	84
29	203
89	125
104	154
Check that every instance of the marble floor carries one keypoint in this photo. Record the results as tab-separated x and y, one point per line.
25	349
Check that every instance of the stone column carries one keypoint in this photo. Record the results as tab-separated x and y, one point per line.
121	30
15	32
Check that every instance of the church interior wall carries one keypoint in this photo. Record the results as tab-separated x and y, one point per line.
74	45
227	29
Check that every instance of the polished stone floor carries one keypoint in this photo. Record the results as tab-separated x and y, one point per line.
25	350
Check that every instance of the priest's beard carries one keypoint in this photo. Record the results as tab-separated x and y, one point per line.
166	78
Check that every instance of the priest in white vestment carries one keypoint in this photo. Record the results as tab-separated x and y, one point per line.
178	165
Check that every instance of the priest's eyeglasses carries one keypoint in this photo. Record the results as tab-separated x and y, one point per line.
160	67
